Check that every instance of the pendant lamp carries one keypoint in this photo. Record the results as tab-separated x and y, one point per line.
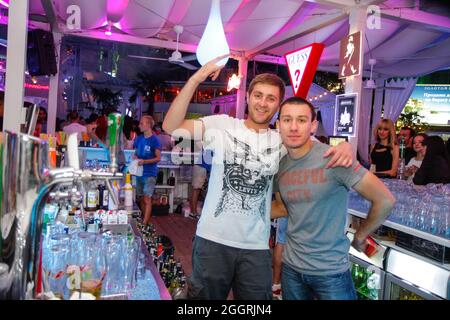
213	42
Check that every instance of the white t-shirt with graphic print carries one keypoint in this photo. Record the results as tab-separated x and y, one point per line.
236	211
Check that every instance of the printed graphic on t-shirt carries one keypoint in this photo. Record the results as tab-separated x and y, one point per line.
247	177
298	183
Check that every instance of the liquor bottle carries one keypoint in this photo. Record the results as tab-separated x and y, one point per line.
103	197
171	180
401	161
128	192
91	198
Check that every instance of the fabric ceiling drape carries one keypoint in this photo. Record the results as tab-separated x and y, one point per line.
395	100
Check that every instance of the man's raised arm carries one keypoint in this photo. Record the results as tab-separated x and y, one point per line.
175	117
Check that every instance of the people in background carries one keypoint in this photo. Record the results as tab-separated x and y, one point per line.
408	133
2	108
164	138
199	175
231	246
384	154
148	152
74	126
316	254
448	146
128	134
435	166
41	123
277	257
102	128
414	164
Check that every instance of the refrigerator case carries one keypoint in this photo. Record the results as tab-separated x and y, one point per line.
367	273
411	278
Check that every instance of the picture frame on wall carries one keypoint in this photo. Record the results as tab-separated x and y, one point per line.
346	115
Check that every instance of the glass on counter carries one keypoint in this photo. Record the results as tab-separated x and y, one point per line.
426	208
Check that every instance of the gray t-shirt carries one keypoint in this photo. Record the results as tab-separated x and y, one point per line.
316	199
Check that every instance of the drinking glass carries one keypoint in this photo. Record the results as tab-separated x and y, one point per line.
54	265
89	265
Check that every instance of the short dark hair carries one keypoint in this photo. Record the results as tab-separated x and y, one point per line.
298	100
73	115
412	132
268	78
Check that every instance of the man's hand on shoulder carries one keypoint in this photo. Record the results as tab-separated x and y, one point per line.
342	155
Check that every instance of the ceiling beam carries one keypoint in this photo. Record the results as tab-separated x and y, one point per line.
151	42
418	17
303	29
50	13
341	4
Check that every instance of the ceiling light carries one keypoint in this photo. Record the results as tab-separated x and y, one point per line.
213	42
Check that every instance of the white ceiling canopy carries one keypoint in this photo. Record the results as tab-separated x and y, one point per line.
410	42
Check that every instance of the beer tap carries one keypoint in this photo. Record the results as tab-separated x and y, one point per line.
25	186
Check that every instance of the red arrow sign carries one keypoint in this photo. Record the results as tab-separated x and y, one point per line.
302	64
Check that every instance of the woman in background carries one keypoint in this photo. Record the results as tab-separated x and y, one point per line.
416	161
435	166
384	155
102	128
128	134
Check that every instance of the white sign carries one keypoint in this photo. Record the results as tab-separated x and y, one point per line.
297	63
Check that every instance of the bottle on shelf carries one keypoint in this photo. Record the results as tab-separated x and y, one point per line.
160	177
171	179
128	193
115	189
91	198
401	160
103	197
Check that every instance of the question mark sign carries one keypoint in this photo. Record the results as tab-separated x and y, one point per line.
297	74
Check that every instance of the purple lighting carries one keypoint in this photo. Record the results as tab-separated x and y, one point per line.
115	9
5	3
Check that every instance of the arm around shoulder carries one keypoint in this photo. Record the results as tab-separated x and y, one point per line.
278	209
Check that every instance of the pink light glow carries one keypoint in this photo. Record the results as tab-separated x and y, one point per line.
36	86
108	33
3	2
234	82
115	9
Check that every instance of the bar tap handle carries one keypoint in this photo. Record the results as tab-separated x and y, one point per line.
115	122
72	151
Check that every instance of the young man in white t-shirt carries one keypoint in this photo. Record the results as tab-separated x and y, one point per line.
231	247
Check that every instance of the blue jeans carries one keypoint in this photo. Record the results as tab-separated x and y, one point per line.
145	186
300	286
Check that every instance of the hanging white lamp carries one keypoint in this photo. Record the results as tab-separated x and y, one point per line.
213	42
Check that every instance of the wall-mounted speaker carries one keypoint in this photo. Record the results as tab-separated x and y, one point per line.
41	57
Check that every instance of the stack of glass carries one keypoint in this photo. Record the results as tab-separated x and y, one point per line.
426	208
85	265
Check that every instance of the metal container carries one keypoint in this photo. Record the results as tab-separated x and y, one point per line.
24	160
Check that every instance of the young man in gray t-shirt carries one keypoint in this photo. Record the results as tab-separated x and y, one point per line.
315	257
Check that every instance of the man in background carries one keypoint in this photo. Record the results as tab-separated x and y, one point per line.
148	152
408	133
75	126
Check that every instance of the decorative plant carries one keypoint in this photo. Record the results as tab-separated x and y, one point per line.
106	99
147	85
411	117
